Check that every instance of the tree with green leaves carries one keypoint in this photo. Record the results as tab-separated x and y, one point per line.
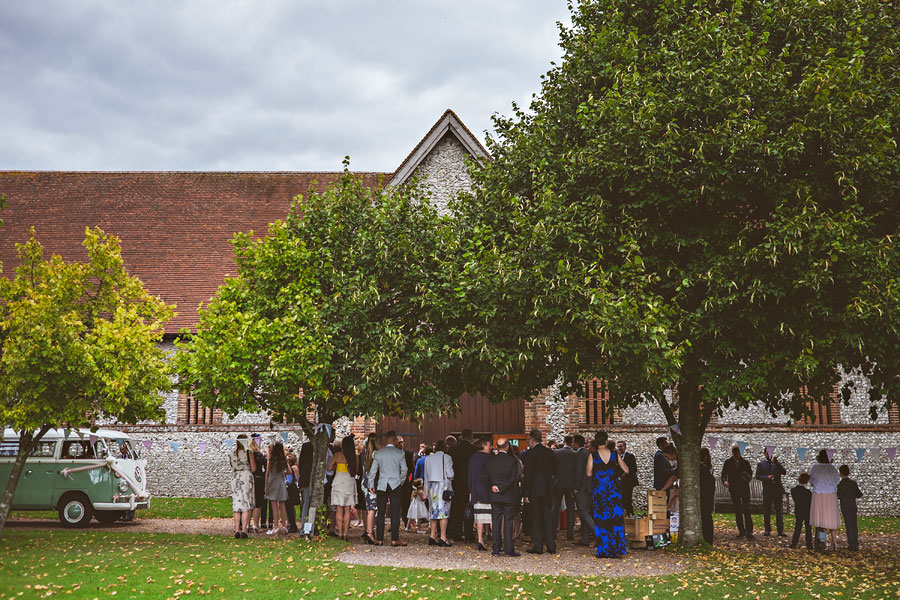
76	339
720	179
327	314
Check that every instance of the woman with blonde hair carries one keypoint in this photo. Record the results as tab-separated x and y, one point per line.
242	466
260	503
370	499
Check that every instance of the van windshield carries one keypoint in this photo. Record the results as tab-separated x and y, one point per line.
123	448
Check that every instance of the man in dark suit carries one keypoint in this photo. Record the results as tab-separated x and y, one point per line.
769	471
736	476
662	468
458	525
565	487
502	473
406	494
848	492
583	491
630	480
540	479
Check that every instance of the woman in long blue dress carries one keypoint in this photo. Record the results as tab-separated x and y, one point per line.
609	517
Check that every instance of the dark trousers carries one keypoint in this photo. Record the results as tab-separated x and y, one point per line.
502	516
628	498
405	500
291	509
706	519
541	526
569	495
798	525
585	511
396	502
741	500
773	497
851	527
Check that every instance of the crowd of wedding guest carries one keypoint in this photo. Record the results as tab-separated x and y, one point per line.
468	490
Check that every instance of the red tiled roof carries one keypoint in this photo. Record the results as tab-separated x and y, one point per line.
175	227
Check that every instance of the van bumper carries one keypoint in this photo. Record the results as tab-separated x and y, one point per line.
131	504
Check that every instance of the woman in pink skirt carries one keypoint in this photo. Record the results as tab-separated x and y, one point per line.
823	512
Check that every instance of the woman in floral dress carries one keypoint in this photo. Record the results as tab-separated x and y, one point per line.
609	517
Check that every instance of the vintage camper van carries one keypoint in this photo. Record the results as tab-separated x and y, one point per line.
79	474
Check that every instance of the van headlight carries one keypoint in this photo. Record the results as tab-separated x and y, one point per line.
123	486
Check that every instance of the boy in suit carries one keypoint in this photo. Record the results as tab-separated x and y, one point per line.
802	499
848	492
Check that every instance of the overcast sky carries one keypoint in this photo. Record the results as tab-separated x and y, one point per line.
261	85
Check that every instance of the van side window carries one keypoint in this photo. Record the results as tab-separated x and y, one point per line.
76	449
44	450
9	447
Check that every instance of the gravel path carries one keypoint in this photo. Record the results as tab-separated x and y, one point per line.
569	560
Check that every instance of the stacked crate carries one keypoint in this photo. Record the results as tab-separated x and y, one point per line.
656	521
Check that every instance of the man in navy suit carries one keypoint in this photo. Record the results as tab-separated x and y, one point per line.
565	487
540	480
769	471
662	468
502	473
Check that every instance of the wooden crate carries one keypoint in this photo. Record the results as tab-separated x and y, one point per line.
656	502
639	528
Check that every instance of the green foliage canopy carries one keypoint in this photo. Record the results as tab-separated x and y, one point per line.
77	339
328	310
731	170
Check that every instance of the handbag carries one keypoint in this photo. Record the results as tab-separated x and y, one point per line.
448	494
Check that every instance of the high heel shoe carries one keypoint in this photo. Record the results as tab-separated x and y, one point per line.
481	547
444	543
368	539
432	542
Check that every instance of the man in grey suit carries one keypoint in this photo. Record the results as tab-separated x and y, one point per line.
583	491
389	471
565	487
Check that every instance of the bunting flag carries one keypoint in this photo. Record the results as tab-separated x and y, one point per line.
230	444
830	452
148	444
202	447
712	442
120	441
891	452
93	440
770	450
676	429
801	453
174	446
257	438
859	454
741	446
66	433
284	436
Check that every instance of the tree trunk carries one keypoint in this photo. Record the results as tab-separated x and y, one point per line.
319	440
691	424
27	442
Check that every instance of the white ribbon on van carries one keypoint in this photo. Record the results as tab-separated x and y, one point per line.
111	463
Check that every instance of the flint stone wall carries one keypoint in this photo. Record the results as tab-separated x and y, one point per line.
444	172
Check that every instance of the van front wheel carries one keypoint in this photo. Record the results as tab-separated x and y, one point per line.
75	510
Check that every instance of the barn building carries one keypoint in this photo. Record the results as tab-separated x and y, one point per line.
175	229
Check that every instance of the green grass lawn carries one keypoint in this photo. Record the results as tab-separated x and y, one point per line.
867	525
89	564
161	508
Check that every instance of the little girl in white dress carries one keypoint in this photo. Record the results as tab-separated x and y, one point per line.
417	509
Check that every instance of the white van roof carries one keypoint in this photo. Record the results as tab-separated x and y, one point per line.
58	434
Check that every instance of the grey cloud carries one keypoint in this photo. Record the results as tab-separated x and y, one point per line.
274	85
